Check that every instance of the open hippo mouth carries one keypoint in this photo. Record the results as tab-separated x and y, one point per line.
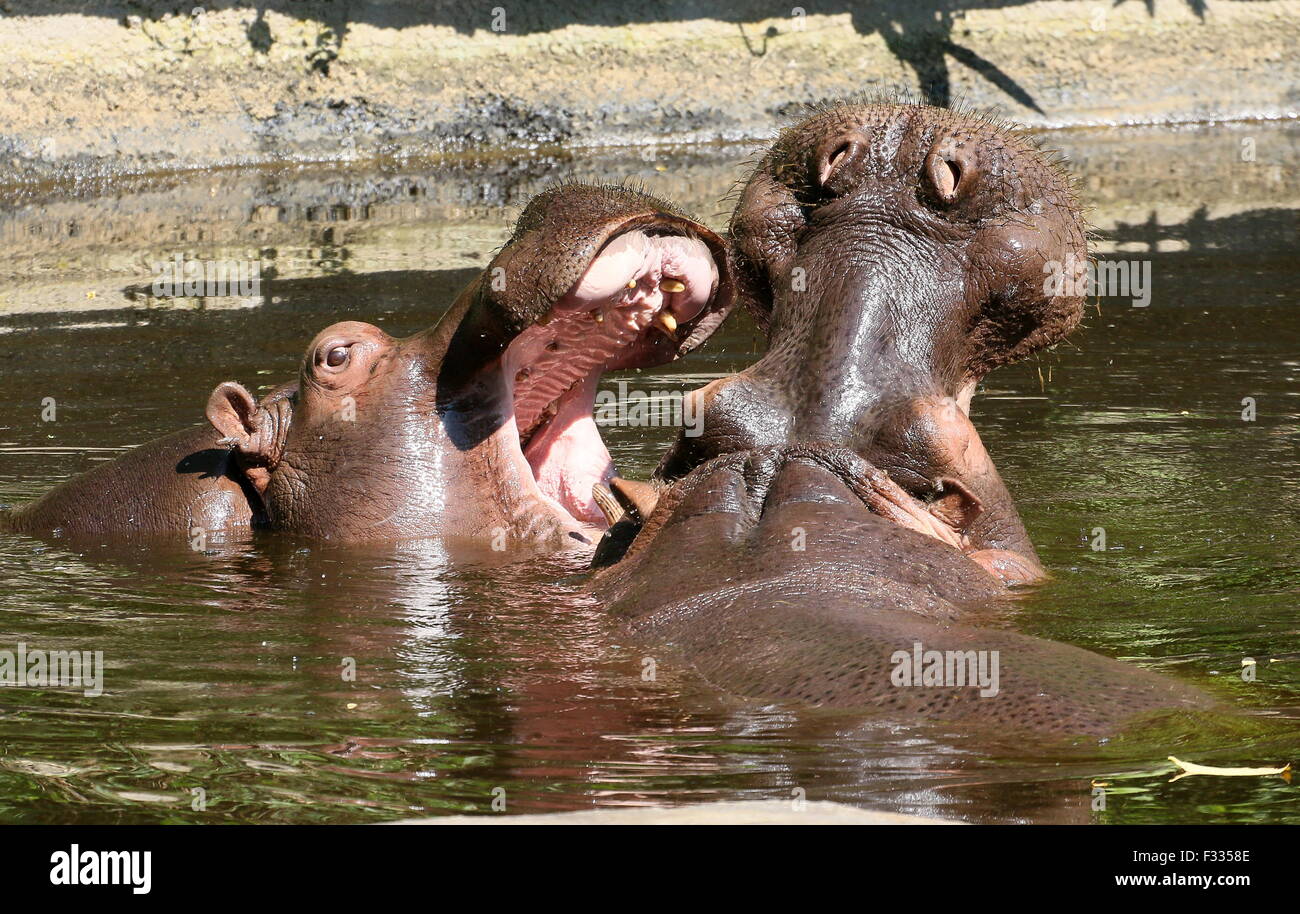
648	296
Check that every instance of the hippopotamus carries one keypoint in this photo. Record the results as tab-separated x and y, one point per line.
479	428
838	535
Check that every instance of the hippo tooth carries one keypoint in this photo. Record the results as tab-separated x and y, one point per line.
666	321
631	283
597	316
607	503
673	285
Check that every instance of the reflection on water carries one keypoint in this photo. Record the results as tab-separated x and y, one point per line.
271	680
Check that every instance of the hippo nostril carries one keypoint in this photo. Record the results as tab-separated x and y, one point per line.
943	174
832	162
835	157
951	177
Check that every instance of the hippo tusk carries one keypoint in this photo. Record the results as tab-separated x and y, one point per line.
637	498
607	503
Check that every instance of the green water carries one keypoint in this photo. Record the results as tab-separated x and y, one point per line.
224	668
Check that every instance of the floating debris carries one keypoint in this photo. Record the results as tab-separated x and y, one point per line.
1189	768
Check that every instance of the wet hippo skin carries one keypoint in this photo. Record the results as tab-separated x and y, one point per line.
176	483
839	508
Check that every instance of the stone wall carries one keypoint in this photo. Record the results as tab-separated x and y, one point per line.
107	88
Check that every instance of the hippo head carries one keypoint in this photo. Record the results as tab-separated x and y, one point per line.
895	254
482	426
834	516
326	454
960	220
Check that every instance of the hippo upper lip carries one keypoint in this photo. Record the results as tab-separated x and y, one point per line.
646	287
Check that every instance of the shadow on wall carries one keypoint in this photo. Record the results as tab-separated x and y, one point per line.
1253	231
918	32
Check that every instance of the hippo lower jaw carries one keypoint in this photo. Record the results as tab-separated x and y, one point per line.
946	512
830	571
772	478
626	311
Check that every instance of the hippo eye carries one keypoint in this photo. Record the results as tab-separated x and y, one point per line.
338	356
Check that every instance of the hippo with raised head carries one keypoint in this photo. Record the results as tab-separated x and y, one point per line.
480	427
839	508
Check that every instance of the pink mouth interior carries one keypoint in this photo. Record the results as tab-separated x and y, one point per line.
610	317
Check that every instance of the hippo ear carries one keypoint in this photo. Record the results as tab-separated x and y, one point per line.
233	412
955	505
256	434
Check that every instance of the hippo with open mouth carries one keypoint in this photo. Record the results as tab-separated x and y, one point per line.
479	428
839	521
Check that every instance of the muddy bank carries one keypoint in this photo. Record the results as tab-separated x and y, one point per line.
128	87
